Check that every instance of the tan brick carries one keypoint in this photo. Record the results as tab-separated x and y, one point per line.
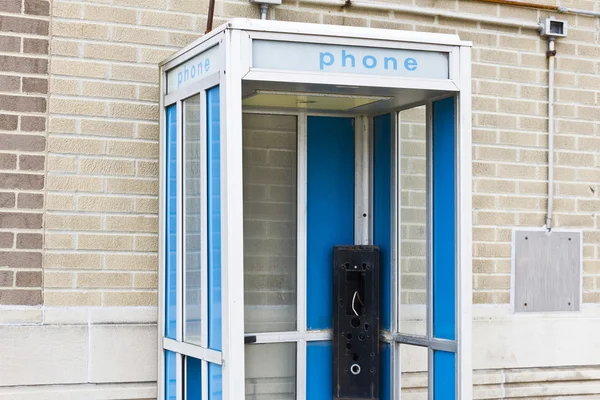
78	107
146	243
134	111
483	202
129	299
532	187
166	20
148	206
492	250
73	222
71	145
62	125
498	56
80	30
483	297
137	73
496	154
75	183
103	280
131	262
109	90
147	131
132	224
104	242
62	164
520	171
59	202
574	220
146	168
495	186
135	148
138	35
101	13
84	69
66	9
59	241
150	93
71	298
107	128
495	218
492	282
145	281
576	159
104	204
179	39
154	55
106	166
64	86
519	203
73	260
500	89
517	107
132	186
160	4
58	279
65	48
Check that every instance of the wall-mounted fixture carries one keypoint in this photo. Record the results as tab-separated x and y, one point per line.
264	6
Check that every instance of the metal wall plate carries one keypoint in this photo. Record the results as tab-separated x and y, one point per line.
547	270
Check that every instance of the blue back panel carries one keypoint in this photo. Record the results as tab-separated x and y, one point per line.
444	373
171	225
382	210
213	118
330	219
193	382
170	375
319	371
443	220
215	382
385	371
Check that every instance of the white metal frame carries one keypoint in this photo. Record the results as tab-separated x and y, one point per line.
234	39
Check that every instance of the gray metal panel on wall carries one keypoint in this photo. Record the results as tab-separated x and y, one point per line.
547	271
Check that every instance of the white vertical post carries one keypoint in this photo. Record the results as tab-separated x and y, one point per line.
179	247
301	200
160	387
396	365
463	261
232	219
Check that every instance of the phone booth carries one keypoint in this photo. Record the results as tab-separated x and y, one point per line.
315	215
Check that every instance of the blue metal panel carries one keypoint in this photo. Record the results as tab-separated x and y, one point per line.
170	375
193	381
215	382
330	219
385	371
444	319
214	217
382	209
444	375
171	225
319	370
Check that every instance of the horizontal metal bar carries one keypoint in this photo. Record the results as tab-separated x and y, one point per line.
211	356
309	336
422	341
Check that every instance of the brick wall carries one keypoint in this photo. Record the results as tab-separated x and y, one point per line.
24	29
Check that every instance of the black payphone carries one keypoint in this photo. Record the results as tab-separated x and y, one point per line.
356	323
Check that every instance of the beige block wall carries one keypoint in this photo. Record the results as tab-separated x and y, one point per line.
101	229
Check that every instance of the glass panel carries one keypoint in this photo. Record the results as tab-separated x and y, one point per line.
385	376
444	375
193	221
170	375
444	295
271	371
214	217
382	210
319	367
171	225
270	219
193	379
414	378
330	209
215	382
413	218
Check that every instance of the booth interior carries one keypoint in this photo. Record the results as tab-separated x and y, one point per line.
347	290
